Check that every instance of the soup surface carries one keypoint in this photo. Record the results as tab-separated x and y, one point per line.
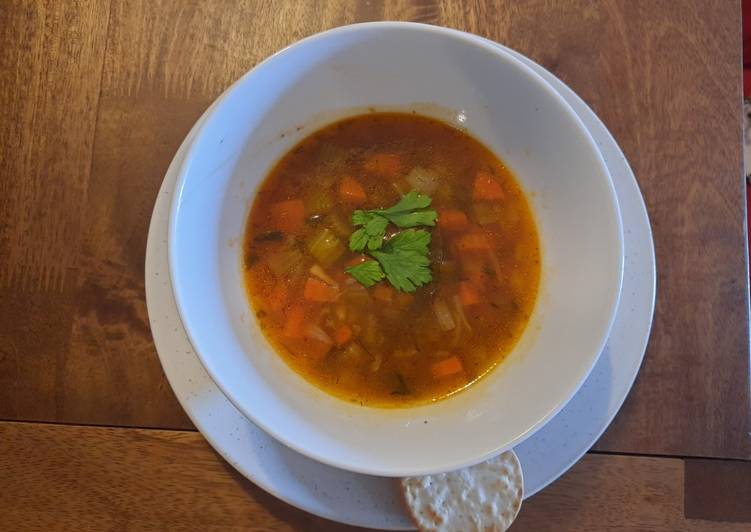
446	271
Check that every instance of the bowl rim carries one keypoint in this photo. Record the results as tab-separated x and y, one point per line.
613	296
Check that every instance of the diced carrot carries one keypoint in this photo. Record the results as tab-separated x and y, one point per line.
474	241
487	188
383	293
293	328
350	191
447	367
343	335
288	216
452	220
318	291
468	294
384	164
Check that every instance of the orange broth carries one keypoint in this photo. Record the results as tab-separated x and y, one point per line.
379	346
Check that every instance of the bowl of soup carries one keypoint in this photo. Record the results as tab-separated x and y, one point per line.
395	248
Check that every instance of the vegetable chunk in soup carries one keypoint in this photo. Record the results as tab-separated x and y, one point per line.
391	259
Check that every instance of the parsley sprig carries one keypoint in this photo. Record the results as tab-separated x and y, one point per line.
403	258
367	273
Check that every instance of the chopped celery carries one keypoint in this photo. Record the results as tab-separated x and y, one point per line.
338	224
325	247
285	261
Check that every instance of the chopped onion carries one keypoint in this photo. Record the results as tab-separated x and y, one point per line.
319	272
443	314
423	180
376	364
461	316
461	320
354	353
316	333
404	353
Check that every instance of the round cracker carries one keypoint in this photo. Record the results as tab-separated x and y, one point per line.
483	497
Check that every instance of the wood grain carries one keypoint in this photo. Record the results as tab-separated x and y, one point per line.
666	82
82	478
87	478
51	57
707	484
111	346
671	94
95	97
609	492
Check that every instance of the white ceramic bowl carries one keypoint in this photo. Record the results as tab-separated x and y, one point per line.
449	75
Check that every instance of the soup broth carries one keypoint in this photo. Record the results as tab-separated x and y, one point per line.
391	344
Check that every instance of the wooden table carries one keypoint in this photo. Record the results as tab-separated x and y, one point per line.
95	97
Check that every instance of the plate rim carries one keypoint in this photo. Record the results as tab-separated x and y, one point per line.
322	453
154	241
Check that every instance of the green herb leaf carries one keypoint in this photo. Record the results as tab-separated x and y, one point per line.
410	201
366	273
376	229
372	232
405	213
361	217
413	219
358	240
412	240
405	261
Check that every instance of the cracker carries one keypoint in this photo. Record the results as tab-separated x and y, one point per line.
483	497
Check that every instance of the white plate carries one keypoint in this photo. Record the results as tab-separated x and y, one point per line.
531	128
373	501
